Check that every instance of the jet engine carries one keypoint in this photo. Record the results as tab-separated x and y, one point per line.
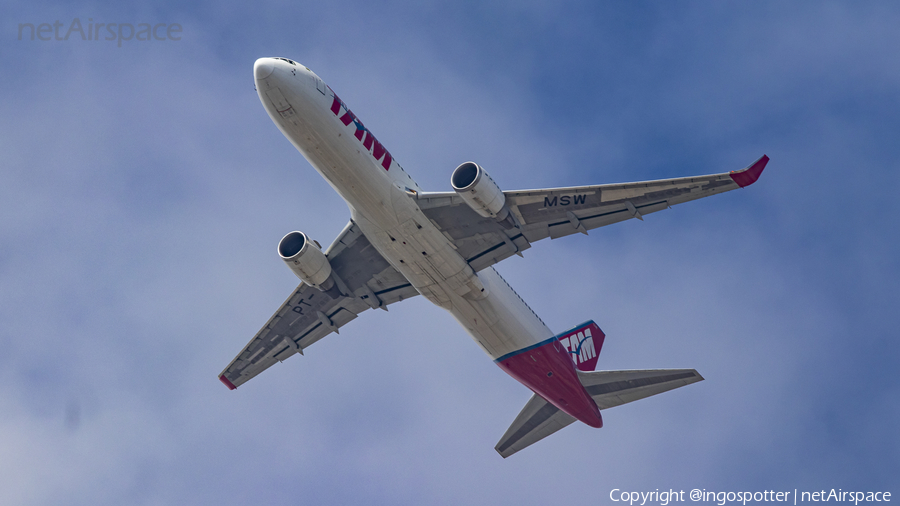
479	191
306	260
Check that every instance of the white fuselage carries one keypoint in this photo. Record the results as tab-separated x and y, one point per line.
382	201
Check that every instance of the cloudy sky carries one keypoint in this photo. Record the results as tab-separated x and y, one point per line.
143	190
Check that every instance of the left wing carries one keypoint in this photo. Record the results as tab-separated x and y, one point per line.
363	280
558	212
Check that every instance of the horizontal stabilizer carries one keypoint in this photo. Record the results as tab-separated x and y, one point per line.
536	421
608	389
614	388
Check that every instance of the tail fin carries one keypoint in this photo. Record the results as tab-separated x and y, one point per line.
583	344
608	389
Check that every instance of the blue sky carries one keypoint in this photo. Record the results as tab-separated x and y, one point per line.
143	190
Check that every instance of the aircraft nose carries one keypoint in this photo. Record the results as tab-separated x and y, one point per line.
263	68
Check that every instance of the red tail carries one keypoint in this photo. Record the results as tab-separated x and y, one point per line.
583	343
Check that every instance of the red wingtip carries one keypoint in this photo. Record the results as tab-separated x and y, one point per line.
749	175
228	384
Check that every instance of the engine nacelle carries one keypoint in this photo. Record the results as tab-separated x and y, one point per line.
479	191
305	258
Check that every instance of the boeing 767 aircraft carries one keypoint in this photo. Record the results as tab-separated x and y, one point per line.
402	242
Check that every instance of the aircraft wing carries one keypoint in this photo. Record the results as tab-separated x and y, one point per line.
558	212
364	279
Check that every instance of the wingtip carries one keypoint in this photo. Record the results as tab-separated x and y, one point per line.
227	383
748	176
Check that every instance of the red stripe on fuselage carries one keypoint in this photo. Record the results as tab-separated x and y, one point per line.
378	151
549	372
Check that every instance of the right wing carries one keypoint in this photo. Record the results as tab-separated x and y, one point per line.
558	212
363	280
538	419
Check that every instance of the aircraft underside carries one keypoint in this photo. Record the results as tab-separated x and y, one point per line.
403	242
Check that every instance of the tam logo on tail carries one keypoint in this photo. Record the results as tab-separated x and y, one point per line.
583	345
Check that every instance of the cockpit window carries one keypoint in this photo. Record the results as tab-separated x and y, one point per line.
292	62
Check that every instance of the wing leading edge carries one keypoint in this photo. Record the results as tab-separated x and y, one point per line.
364	280
558	212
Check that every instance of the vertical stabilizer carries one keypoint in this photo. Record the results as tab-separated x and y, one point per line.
583	344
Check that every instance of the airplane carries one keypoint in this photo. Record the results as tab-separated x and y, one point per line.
402	242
